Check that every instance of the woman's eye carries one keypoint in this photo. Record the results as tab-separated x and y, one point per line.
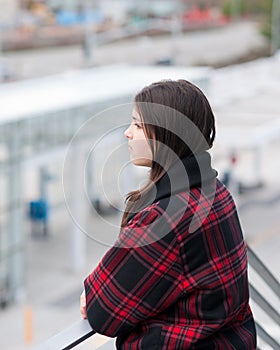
138	126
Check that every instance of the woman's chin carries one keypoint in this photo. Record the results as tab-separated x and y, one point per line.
141	162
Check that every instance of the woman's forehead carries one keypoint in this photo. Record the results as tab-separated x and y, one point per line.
135	114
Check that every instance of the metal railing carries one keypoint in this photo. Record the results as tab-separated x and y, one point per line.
81	330
267	277
68	338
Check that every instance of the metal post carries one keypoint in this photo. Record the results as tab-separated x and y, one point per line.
43	181
44	177
88	33
78	242
233	182
15	220
258	163
176	29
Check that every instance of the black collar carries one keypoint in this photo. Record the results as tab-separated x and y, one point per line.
184	174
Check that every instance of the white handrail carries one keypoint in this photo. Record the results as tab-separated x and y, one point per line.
68	338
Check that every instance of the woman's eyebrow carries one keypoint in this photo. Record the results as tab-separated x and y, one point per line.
135	119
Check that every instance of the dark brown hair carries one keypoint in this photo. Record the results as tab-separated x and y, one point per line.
178	122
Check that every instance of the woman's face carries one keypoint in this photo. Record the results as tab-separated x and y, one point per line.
139	148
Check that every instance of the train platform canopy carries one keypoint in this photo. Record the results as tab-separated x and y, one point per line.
29	98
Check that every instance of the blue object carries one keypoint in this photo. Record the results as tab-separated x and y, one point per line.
68	18
39	210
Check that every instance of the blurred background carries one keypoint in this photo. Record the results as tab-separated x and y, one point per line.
68	73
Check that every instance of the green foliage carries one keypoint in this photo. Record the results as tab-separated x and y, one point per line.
266	29
259	6
227	9
242	7
234	8
262	9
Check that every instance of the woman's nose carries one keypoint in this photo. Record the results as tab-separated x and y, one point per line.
128	133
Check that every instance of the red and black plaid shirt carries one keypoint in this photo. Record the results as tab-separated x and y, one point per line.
164	286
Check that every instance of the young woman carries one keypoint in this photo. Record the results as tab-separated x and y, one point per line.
177	276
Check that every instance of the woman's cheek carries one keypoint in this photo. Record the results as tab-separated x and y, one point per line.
140	153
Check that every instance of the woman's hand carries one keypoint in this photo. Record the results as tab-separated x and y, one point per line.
83	305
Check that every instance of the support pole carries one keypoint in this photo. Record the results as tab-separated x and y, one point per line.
176	30
258	163
78	208
88	32
15	219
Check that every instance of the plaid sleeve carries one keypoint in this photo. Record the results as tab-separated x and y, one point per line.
137	278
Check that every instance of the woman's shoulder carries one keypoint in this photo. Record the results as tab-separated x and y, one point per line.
149	226
210	193
183	205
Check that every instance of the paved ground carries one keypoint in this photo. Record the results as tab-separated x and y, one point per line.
53	289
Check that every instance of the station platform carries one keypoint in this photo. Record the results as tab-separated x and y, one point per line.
53	289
